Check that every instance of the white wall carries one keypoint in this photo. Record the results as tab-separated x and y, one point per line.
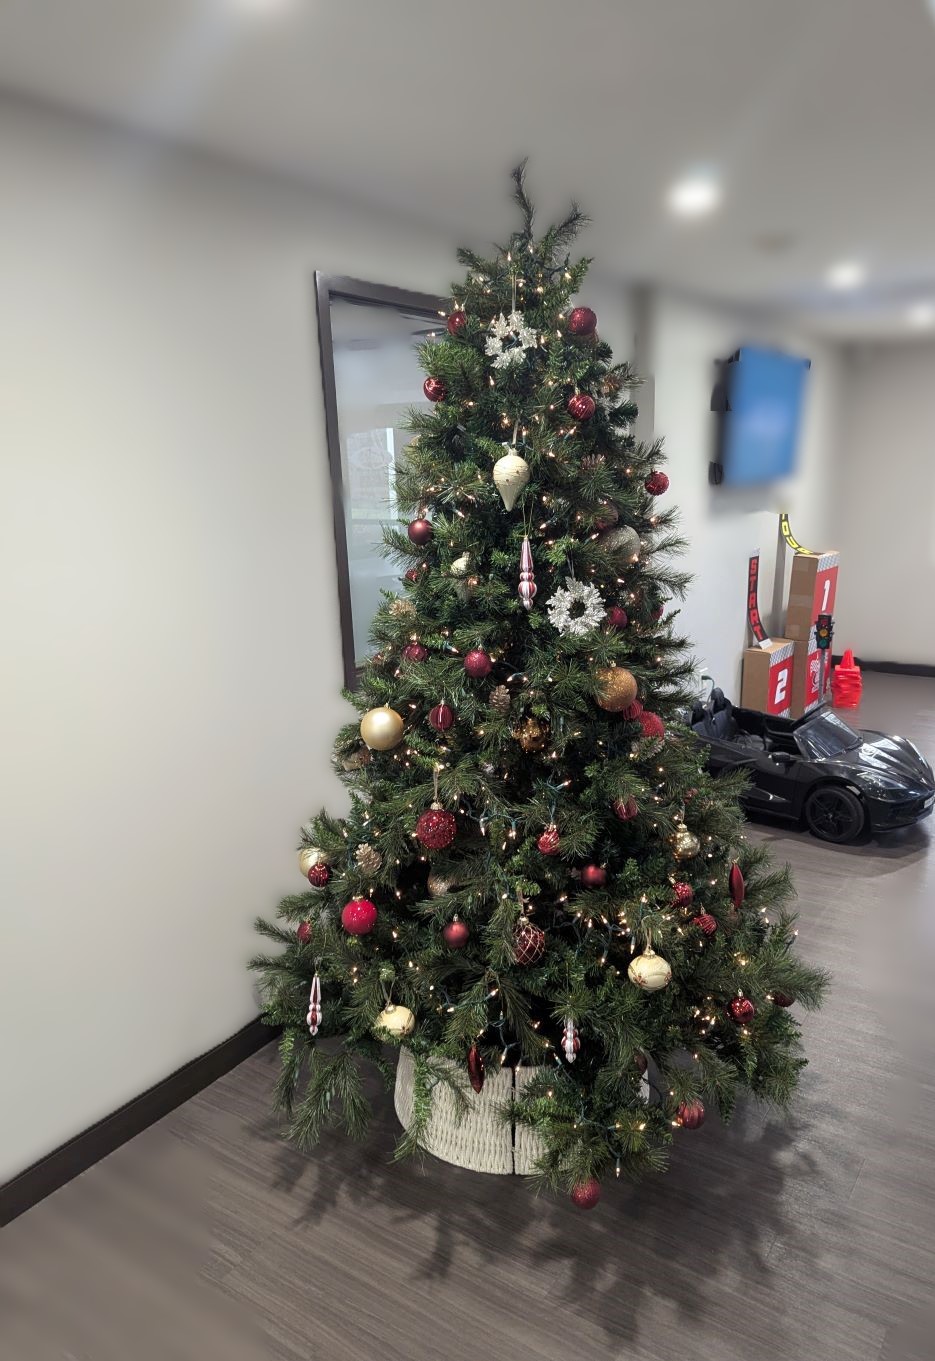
680	339
885	505
167	584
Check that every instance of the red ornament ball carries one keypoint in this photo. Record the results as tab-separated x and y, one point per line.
625	809
593	876
442	717
420	532
684	895
415	652
581	406
632	712
303	932
690	1114
617	618
477	663
782	999
436	828
436	389
319	875
456	934
656	484
413	574
735	885
456	323
528	943
741	1010
706	924
582	321
651	724
586	1194
359	916
550	841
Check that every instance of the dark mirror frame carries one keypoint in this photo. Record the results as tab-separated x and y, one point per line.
328	287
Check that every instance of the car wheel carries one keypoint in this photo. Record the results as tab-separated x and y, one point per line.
834	813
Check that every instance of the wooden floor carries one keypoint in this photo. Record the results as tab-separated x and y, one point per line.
207	1238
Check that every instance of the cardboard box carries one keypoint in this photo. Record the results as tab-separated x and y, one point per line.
812	590
806	676
767	678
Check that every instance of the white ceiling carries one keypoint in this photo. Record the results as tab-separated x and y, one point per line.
818	114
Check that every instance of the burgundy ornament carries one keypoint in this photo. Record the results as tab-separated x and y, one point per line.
550	841
420	532
359	916
625	809
436	828
415	652
656	484
633	711
527	588
475	1067
735	885
782	999
413	574
684	895
617	618
658	612
706	924
690	1114
442	717
303	932
586	1194
477	663
593	876
581	406
456	934
528	942
651	724
456	323
436	389
319	875
640	1062
741	1010
582	321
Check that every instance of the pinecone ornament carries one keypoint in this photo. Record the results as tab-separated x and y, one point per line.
368	858
500	700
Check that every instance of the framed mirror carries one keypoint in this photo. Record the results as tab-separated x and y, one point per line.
367	336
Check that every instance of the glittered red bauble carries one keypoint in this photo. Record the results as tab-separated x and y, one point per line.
586	1194
304	932
625	809
436	389
782	999
413	573
528	943
436	828
735	885
441	717
581	406
456	323
359	916
652	725
741	1010
640	1062
705	923
617	618
684	895
319	875
690	1114
420	532
415	652
632	712
582	321
593	876
477	663
475	1067
550	841
656	484
456	934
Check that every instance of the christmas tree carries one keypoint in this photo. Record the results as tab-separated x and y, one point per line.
536	870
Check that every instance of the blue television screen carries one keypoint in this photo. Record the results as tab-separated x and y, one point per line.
765	390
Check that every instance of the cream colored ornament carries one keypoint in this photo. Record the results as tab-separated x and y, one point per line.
309	856
382	729
685	845
395	1020
510	473
620	539
461	566
649	971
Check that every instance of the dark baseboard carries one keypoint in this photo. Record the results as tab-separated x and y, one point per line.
87	1148
893	668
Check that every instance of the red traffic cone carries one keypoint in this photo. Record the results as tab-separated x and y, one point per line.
846	683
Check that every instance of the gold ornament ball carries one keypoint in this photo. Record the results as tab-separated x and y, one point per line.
649	971
618	688
439	884
532	734
309	856
401	608
685	845
461	566
395	1020
382	729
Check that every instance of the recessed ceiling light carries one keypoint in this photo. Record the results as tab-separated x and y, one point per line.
921	315
846	274
694	196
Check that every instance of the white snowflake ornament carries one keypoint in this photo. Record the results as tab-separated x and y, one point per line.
509	340
576	608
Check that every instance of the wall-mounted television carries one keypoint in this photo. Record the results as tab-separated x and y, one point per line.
759	397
